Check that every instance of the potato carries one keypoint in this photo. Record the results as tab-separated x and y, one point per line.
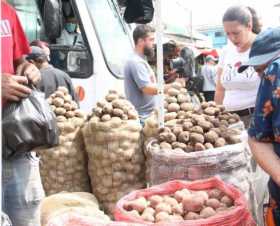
178	209
147	216
132	114
118	112
207	212
205	125
177	130
214	203
203	194
220	142
170	201
181	194
182	98
165	145
196	138
68	98
163	207
199	147
187	126
162	216
70	114
58	101
60	111
171	99
176	85
208	146
187	106
233	140
63	89
61	118
184	137
178	145
221	209
227	201
192	216
211	111
155	200
215	194
134	213
173	92
167	137
59	94
176	217
139	205
204	105
111	97
173	107
193	203
211	136
170	116
197	129
224	123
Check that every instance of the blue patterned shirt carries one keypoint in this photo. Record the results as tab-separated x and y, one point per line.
265	124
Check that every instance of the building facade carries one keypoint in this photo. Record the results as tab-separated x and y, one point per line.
216	33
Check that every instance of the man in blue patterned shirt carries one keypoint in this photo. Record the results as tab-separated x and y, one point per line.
264	131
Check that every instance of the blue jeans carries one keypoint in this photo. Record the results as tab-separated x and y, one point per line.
22	190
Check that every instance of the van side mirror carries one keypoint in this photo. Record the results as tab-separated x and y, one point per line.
76	61
52	17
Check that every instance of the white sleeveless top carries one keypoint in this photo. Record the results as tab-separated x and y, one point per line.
240	88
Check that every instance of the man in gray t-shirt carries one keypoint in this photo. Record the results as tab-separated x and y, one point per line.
140	81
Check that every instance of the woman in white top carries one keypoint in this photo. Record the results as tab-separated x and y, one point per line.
238	91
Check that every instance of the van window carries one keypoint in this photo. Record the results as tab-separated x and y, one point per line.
30	18
114	40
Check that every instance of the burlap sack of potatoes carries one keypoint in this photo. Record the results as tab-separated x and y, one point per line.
64	167
116	160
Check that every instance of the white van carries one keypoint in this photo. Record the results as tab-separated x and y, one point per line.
97	65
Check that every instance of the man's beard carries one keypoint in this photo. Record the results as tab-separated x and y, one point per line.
149	52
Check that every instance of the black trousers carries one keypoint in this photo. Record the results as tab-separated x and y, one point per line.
209	95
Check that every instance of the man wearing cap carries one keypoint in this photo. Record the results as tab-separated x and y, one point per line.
52	77
208	72
264	131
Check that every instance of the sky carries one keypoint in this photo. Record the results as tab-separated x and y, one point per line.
211	12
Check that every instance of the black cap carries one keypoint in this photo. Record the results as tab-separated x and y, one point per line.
36	52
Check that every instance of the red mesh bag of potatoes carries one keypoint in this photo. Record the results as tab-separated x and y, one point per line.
235	214
77	220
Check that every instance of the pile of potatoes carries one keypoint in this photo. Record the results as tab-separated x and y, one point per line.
64	167
112	137
178	105
177	101
115	106
197	133
184	204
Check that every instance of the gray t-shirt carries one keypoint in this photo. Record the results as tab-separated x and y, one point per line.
138	74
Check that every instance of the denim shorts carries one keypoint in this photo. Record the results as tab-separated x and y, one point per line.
22	189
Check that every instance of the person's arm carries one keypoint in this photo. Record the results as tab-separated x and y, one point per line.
142	77
150	90
266	158
220	90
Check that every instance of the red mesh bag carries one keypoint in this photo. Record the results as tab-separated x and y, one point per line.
238	216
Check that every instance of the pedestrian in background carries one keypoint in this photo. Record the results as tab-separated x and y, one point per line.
208	71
